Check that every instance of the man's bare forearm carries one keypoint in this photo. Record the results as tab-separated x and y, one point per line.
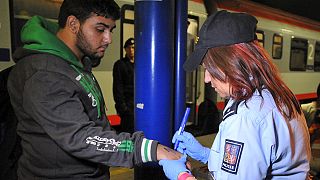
164	152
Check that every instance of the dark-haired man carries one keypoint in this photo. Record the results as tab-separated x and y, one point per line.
62	123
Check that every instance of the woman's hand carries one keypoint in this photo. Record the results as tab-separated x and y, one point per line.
189	145
172	168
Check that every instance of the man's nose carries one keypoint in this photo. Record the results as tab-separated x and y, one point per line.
107	38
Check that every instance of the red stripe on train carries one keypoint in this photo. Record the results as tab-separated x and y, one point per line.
300	97
306	96
114	120
264	11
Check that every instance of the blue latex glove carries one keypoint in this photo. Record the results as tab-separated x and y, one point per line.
172	168
188	144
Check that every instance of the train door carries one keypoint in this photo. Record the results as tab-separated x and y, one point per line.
23	10
127	25
317	57
192	78
14	14
5	43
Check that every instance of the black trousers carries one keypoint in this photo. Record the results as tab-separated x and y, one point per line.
127	122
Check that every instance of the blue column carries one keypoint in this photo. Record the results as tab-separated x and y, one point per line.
181	11
154	61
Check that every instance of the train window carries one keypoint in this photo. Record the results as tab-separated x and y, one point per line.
129	12
317	57
260	37
277	46
4	54
298	55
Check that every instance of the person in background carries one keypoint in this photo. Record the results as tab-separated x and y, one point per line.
123	89
263	134
312	113
190	41
310	110
62	122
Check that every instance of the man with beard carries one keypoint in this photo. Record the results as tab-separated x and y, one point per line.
123	89
64	131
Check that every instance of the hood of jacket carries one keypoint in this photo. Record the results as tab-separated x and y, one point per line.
39	36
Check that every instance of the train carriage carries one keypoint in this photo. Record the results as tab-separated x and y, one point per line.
292	41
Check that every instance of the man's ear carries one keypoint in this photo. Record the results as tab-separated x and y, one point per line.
73	24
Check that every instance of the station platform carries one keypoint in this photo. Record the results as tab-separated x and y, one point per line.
200	169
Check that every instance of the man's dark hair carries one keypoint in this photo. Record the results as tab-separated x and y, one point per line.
83	9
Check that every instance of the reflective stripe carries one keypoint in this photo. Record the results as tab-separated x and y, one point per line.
149	150
142	150
146	150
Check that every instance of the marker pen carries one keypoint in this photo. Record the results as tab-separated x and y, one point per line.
182	125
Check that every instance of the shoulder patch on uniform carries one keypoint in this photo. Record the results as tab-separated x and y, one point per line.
231	110
232	155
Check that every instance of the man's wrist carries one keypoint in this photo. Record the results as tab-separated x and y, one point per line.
185	176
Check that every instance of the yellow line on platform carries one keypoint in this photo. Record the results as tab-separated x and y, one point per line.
117	171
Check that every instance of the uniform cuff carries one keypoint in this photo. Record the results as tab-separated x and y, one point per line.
206	153
148	150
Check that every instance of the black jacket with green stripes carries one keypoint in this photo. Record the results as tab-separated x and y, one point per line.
64	133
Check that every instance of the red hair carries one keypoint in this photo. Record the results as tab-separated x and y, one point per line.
247	67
